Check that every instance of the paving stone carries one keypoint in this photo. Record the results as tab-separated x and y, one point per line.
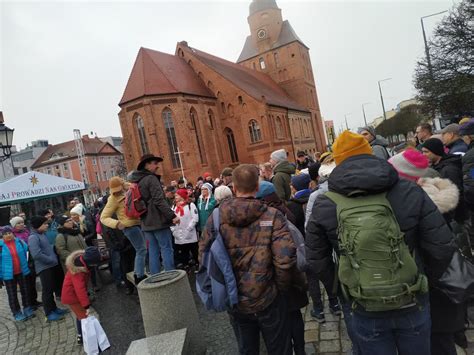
311	335
311	325
346	345
331	335
310	349
329	326
328	346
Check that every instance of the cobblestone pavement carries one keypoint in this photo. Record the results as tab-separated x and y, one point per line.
35	336
121	318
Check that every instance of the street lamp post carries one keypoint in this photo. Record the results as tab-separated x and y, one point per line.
6	139
427	50
345	117
363	111
381	98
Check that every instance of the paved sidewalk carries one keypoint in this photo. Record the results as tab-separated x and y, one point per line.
35	336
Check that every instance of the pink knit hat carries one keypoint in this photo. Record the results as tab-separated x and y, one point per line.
410	164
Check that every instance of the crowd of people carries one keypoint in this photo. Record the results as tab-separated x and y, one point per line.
378	233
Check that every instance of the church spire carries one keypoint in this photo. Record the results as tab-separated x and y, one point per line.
260	5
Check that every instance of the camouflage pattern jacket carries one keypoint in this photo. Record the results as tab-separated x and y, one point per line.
260	248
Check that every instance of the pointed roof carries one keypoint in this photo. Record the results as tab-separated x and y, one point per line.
157	73
287	36
254	83
67	150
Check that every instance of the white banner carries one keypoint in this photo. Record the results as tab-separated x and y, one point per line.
33	185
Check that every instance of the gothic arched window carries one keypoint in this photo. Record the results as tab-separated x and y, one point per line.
254	131
142	135
262	63
171	135
231	143
279	128
210	116
197	133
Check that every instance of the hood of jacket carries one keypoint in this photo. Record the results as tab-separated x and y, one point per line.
136	175
284	167
365	173
450	159
442	192
379	140
241	211
71	263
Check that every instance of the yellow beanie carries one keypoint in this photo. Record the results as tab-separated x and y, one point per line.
349	144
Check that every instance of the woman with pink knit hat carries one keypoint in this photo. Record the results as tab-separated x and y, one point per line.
447	318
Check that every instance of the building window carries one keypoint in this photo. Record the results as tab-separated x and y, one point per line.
255	132
279	127
97	176
230	110
277	60
223	107
254	66
66	167
142	135
231	143
210	116
197	132
262	63
172	142
94	161
240	100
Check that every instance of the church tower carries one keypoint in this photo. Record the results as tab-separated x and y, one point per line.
274	48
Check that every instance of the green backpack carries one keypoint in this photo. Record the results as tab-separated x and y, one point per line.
375	266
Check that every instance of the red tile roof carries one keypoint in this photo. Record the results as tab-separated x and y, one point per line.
157	73
67	151
253	82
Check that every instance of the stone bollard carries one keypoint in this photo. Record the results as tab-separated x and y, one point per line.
167	305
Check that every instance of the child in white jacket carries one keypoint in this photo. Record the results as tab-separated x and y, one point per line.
184	233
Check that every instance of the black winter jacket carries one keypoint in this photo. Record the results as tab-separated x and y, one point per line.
159	214
419	219
468	176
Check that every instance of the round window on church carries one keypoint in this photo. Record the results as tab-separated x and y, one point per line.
261	34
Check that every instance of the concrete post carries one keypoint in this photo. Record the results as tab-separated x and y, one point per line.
167	305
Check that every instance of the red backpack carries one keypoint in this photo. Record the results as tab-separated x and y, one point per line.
135	207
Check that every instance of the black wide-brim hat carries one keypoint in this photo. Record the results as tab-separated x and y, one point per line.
146	159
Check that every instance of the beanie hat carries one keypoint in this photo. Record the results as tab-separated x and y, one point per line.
222	192
467	129
435	146
265	188
63	219
369	129
300	182
313	170
77	209
37	221
410	164
279	155
6	229
115	184
183	193
324	156
326	169
207	186
301	154
15	220
91	256
349	144
206	175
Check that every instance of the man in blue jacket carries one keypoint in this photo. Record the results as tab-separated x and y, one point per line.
46	265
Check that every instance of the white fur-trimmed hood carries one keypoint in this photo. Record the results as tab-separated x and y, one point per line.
442	192
70	262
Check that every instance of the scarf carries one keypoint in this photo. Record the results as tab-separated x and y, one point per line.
179	209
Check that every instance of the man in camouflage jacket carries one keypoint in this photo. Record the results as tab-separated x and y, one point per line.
262	254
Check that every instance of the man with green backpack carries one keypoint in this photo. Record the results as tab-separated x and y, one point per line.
391	242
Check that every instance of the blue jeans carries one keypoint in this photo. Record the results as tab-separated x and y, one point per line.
135	236
346	307
404	334
160	244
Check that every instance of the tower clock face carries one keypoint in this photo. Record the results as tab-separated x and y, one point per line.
261	34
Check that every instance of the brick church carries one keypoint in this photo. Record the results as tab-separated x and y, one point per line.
203	113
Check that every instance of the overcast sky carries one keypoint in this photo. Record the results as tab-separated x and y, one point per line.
64	65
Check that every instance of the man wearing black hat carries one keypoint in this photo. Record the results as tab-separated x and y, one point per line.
158	219
303	161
